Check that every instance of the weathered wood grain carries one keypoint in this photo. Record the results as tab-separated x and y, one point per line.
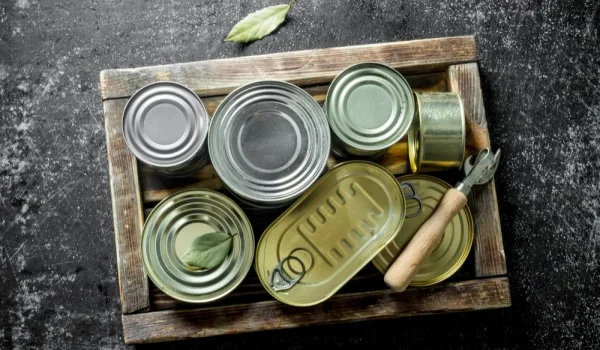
267	315
464	79
310	67
127	212
251	290
489	249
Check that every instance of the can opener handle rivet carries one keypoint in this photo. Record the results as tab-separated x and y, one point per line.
478	171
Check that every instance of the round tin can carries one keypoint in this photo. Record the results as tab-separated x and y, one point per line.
369	107
455	245
331	232
437	137
269	142
174	224
165	126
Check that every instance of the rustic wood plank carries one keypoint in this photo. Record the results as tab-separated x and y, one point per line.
251	290
127	212
310	67
489	249
184	324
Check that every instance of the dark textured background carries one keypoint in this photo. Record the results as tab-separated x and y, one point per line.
540	67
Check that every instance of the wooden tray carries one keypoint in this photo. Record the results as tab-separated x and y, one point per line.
445	64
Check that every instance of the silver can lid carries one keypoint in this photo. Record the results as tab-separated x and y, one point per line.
369	106
269	141
165	124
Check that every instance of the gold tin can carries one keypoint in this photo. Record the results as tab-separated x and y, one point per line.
455	245
436	141
330	233
174	224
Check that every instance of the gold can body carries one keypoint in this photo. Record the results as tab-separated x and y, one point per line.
330	233
455	245
436	141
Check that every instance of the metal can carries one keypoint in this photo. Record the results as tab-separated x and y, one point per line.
165	125
437	137
174	224
330	233
455	245
369	107
269	142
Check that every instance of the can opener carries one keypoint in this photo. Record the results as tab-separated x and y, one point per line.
478	171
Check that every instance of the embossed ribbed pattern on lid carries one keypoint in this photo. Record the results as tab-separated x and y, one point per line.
455	245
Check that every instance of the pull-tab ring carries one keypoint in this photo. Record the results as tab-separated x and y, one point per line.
280	280
414	196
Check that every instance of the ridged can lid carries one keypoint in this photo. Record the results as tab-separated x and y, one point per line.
165	126
174	224
455	245
369	107
269	142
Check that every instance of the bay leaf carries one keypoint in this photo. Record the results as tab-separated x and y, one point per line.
258	24
208	251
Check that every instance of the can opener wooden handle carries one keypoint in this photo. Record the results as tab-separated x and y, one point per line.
478	171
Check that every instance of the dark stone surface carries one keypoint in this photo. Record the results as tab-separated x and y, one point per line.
539	62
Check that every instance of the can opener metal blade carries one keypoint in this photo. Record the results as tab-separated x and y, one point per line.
478	170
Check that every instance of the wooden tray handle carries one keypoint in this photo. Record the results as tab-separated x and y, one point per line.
402	271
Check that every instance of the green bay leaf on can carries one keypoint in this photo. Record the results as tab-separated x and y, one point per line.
208	250
258	24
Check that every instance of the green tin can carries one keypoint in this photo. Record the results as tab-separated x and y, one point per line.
174	224
455	245
369	108
436	141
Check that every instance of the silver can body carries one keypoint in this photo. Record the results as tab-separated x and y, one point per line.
165	125
269	142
